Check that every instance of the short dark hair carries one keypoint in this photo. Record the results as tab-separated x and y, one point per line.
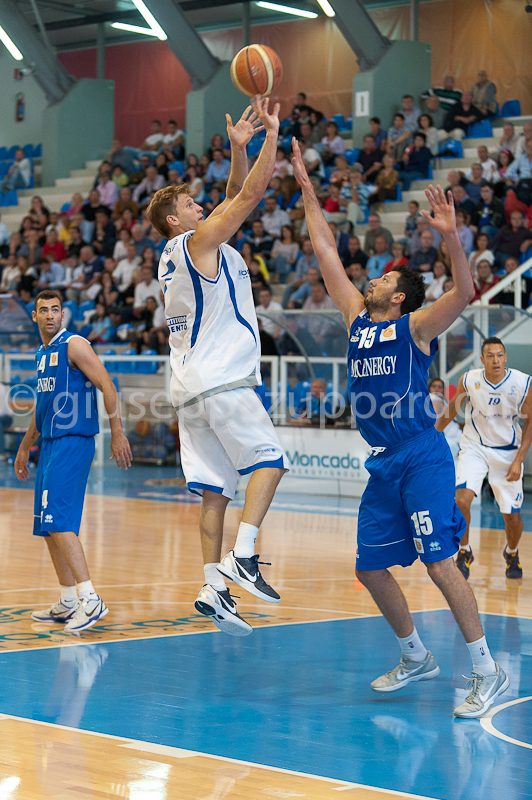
398	114
486	342
171	122
376	120
158	121
406	96
421	135
303	95
413	286
264	288
48	294
415	202
433	380
320	282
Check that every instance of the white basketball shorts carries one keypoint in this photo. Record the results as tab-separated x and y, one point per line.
476	461
225	435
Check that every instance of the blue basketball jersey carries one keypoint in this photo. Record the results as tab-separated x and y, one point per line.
388	381
66	399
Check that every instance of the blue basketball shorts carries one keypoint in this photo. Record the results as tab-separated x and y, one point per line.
60	484
408	508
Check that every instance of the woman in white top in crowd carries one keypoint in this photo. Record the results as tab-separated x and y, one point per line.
196	189
426	126
480	253
120	248
331	145
435	289
285	246
282	166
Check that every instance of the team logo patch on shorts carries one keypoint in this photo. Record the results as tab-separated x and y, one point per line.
419	545
388	334
54	359
434	547
48	518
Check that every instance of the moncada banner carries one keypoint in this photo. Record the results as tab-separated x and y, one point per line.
325	461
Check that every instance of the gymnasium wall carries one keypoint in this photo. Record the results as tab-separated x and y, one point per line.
29	131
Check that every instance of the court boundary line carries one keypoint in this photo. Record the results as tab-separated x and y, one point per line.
179	753
489	727
66	643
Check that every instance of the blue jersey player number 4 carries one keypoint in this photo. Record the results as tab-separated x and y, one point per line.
408	510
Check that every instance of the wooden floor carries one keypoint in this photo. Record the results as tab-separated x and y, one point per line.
145	561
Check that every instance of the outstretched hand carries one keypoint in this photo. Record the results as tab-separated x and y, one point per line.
444	220
260	107
249	123
300	171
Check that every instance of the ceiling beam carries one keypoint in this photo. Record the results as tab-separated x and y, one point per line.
360	32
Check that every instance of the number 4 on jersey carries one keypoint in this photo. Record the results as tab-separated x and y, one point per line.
422	522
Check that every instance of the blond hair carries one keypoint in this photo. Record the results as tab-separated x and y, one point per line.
163	203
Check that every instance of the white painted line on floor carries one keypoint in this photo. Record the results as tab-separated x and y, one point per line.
487	724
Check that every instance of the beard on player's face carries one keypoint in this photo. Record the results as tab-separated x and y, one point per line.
378	299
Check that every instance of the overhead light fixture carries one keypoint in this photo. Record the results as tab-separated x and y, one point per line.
123	26
10	45
297	12
150	19
327	8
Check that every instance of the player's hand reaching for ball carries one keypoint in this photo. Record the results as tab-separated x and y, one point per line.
241	134
269	121
120	450
300	171
444	220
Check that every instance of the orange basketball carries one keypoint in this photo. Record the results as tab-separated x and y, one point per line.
143	427
256	69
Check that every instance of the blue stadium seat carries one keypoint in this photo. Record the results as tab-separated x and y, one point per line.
348	124
431	172
28	150
37	151
3	153
30	306
179	166
9	198
72	306
110	366
454	147
339	119
352	155
4	169
398	194
265	396
65	207
148	367
88	305
287	143
127	366
254	147
479	130
512	108
299	393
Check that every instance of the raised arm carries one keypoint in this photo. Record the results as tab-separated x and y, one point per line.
346	297
83	357
453	409
428	323
514	472
219	227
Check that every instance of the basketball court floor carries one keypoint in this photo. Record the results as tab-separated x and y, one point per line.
156	704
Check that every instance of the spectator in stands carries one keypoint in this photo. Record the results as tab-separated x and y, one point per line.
312	160
282	166
85	227
274	217
125	200
511	240
6	419
319	125
38	212
509	138
148	259
332	144
53	246
218	169
519	169
481	252
305	133
140	240
447	94
157	242
464	231
377	263
460	116
104	237
284	253
30	247
174	141
246	251
196	186
107	191
370	158
289	195
341	239
489	166
523	140
357	275
354	197
398	136
504	160
138	176
260	241
443	255
317	327
398	259
462	201
426	255
73	274
435	288
121	156
474	182
27	280
412	218
484	280
272	306
4	237
332	210
375	230
507	297
123	273
119	177
148	186
217	143
385	182
489	215
18	175
155	140
101	325
341	171
147	287
10	273
378	133
426	126
410	112
303	291
51	275
121	244
416	161
256	278
92	269
76	205
313	406
484	94
415	240
306	261
76	242
354	254
437	113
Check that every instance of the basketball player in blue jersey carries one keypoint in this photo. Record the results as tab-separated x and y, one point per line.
215	359
493	444
66	416
408	508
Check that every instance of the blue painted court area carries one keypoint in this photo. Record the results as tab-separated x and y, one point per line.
295	697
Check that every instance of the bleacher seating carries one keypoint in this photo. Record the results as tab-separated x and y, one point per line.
479	129
512	108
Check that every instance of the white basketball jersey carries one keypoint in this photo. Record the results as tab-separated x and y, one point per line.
214	337
492	410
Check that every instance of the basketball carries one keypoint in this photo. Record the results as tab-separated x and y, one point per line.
143	427
256	69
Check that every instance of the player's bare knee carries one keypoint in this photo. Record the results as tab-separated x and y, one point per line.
370	577
464	498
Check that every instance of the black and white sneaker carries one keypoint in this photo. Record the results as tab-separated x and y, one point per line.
246	572
221	608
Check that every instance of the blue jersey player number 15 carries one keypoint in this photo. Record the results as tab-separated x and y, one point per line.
408	510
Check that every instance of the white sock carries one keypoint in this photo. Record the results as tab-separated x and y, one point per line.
412	646
69	595
86	590
245	540
480	654
213	577
510	550
466	547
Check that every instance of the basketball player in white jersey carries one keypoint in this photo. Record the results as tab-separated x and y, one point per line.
493	444
215	359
